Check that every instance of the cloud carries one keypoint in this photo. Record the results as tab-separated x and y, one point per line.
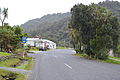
21	11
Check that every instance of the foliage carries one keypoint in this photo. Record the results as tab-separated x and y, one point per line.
113	6
95	28
75	40
4	54
112	61
18	63
114	57
118	49
27	66
7	75
59	47
51	26
10	62
10	38
106	61
17	51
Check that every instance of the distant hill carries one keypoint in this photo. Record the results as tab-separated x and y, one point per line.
54	26
51	26
113	6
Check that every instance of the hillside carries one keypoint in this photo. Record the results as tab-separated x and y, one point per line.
54	26
113	6
51	26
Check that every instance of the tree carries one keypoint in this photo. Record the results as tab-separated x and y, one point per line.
3	15
98	29
10	37
6	36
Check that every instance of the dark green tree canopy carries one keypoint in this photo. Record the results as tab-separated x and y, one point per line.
98	29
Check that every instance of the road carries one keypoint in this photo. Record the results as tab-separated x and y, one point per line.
62	65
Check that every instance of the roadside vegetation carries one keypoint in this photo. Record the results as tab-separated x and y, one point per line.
11	43
28	65
7	75
114	57
106	60
33	48
4	54
60	47
18	62
94	31
10	36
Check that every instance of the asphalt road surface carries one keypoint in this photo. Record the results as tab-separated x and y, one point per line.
62	65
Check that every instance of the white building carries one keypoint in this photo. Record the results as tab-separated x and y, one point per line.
42	43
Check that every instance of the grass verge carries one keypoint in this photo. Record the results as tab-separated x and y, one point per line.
7	75
18	63
27	66
4	54
59	47
107	60
111	61
114	57
10	62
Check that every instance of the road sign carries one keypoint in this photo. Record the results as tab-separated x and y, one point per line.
24	39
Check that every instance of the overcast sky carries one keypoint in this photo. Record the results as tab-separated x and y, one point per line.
20	11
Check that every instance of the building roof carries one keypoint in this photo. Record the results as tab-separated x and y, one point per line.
36	36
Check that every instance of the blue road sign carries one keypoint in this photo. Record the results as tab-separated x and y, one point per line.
24	39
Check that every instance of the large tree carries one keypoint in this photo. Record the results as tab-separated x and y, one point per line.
97	27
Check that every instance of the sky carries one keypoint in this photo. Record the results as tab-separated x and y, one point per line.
20	11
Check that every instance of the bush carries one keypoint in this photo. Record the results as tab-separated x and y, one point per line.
7	75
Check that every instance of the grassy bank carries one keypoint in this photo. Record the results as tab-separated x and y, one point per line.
59	47
7	75
18	63
27	66
4	54
114	57
107	60
10	62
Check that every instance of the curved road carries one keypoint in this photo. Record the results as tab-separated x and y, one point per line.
62	65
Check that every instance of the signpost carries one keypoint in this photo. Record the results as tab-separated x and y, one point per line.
24	39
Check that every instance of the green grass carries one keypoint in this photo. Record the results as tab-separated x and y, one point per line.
59	47
114	57
106	61
111	61
17	63
26	66
18	51
10	62
4	54
34	50
7	75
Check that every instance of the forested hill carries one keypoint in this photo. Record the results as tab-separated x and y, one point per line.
51	26
54	26
113	6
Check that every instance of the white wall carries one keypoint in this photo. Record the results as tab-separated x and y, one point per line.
32	41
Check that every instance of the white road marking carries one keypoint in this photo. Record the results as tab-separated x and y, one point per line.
68	66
